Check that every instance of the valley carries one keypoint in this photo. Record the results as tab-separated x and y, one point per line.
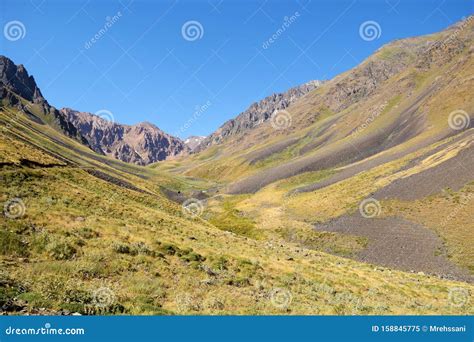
346	196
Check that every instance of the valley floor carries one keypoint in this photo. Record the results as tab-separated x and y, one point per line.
85	234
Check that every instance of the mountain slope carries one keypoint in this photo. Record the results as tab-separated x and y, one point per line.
86	233
112	243
141	144
395	132
19	90
388	102
256	114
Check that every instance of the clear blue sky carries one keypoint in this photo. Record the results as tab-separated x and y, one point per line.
142	69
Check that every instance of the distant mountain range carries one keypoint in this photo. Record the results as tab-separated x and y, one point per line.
374	165
143	143
257	113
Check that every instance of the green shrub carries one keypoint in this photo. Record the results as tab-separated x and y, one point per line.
61	249
12	244
123	249
87	233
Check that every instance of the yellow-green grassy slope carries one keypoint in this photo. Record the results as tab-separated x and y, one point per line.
82	239
276	213
434	81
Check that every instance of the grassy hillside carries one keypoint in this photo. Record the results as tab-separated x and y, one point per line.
79	241
362	204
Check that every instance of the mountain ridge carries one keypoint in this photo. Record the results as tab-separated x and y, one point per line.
257	113
360	203
142	143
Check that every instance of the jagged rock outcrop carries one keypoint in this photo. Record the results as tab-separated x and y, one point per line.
15	78
194	141
257	113
17	84
141	144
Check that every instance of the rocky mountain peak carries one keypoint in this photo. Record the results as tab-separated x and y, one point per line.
142	144
15	78
257	113
193	141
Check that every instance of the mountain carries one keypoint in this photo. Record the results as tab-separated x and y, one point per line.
193	142
141	144
18	89
387	103
355	199
257	113
391	139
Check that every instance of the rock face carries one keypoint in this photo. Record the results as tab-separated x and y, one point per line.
15	78
16	84
141	144
193	141
257	113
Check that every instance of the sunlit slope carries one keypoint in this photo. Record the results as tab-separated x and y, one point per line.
397	101
79	241
396	132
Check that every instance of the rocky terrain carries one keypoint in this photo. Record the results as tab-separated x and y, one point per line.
141	144
193	142
257	113
19	90
397	128
348	197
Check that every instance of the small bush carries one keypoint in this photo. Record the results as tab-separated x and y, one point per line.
122	249
87	233
12	244
61	249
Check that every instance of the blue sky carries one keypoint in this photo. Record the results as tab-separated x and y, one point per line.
141	67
